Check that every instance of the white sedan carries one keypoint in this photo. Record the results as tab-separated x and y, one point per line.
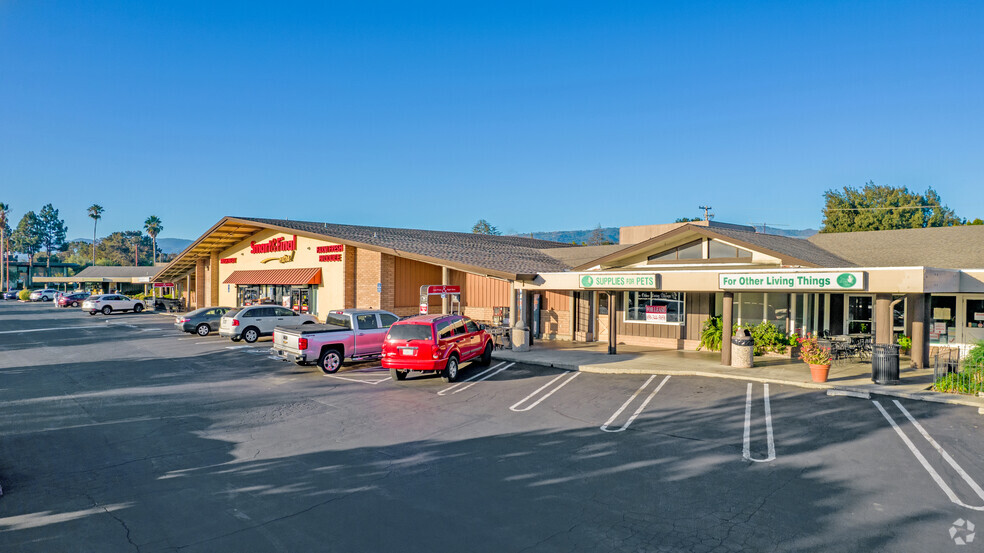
107	303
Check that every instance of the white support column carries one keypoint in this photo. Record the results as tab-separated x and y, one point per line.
826	312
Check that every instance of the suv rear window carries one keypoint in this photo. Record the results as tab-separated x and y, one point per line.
410	332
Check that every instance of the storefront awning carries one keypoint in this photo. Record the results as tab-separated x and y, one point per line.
276	276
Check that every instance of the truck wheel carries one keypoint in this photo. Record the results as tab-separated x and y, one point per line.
251	335
398	374
487	354
330	361
450	372
203	329
107	310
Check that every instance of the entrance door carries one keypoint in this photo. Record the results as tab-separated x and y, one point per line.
604	299
299	300
858	315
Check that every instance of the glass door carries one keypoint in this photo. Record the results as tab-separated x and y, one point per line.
299	300
858	315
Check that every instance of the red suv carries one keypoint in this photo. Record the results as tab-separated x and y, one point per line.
434	343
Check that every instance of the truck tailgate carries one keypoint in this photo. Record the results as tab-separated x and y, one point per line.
285	339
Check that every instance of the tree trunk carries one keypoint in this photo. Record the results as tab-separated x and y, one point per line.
93	243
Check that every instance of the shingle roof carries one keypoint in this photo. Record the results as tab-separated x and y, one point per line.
512	254
576	256
110	271
941	247
788	246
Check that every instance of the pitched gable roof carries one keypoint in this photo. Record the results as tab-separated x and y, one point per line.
960	247
789	250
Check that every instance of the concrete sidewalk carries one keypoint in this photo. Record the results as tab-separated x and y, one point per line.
845	376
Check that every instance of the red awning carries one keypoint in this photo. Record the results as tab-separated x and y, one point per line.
276	276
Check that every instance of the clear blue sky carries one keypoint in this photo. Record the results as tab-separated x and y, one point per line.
533	115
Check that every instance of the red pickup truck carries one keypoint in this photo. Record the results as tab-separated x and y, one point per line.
435	343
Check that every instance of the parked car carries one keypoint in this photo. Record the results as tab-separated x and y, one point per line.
107	303
435	343
10	294
355	334
45	294
72	300
201	321
249	323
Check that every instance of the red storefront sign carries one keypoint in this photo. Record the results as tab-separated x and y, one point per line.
226	260
279	244
331	249
330	257
434	290
163	285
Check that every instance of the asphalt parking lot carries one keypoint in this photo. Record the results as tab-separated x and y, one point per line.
119	433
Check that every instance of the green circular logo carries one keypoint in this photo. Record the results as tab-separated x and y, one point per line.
587	281
846	280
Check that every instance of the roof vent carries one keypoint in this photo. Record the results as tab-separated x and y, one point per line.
374	234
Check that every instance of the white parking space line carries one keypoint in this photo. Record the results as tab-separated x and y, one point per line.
605	428
360	381
516	407
48	329
925	463
746	448
454	387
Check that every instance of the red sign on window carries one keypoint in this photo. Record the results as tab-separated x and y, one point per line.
433	290
656	313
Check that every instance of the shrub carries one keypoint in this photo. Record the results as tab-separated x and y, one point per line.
24	294
975	357
904	342
711	334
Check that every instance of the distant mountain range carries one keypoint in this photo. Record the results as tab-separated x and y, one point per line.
611	234
167	245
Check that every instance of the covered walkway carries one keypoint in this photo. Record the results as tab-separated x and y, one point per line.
845	375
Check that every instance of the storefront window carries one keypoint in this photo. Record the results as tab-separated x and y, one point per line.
859	315
654	307
751	306
975	314
943	312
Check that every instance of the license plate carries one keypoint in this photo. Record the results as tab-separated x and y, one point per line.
408	351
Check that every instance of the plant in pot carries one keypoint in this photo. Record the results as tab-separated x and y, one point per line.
815	355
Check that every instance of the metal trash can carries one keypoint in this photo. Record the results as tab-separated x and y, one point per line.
885	364
742	349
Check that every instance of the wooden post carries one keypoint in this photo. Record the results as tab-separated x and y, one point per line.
727	321
612	348
919	305
883	319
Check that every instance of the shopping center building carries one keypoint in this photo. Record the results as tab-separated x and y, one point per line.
655	288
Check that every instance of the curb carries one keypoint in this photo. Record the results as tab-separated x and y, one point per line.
932	397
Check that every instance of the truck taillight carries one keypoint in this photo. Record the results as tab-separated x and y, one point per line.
302	343
235	322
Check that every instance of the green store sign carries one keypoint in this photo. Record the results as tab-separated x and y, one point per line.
602	281
792	281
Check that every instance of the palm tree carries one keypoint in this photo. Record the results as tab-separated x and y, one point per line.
153	227
95	211
4	208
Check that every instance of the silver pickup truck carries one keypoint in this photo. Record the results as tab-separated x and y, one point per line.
354	334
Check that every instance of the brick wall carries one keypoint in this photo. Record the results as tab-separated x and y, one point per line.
372	268
350	256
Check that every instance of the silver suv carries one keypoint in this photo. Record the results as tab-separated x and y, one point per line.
249	323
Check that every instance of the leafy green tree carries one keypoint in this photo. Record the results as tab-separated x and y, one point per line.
78	252
153	227
95	212
27	239
977	221
53	232
483	227
687	219
117	248
876	207
4	236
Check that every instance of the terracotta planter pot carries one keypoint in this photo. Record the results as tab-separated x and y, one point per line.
819	372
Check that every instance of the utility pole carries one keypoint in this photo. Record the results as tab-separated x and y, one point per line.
136	260
706	208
